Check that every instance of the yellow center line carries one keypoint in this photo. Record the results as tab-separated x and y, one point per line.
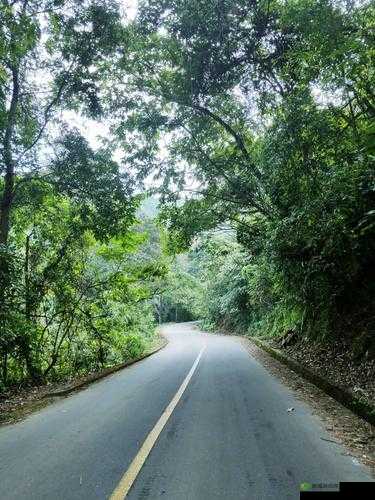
131	474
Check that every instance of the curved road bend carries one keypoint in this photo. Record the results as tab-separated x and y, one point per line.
229	435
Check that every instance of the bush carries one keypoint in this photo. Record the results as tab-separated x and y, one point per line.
133	347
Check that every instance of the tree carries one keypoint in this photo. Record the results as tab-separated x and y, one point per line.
237	97
52	52
56	193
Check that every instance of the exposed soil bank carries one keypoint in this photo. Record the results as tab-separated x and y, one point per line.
356	401
338	363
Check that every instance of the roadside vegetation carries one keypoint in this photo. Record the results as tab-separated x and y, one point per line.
254	122
271	105
79	258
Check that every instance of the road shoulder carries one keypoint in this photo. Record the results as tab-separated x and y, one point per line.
346	428
17	407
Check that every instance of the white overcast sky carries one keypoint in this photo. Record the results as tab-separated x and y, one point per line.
130	7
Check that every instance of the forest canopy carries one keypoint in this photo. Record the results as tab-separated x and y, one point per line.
269	105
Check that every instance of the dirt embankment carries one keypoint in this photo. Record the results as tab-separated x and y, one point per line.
337	362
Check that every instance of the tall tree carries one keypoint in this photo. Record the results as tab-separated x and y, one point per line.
269	107
52	56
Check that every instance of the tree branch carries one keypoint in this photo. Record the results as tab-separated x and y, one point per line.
237	137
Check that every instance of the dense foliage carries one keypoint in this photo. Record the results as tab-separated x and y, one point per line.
270	106
218	263
73	296
179	294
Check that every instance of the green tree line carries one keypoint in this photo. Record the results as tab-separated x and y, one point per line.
75	285
271	105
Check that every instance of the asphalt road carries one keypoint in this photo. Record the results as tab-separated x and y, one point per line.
230	435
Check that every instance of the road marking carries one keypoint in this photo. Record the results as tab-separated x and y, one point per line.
131	474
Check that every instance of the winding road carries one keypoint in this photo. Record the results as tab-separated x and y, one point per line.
199	420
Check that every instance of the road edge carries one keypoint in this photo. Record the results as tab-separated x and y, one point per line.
19	414
353	403
108	371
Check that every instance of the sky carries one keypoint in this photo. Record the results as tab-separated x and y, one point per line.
130	7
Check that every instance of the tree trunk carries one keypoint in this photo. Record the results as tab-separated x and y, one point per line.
27	278
5	368
8	193
33	371
101	352
5	208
